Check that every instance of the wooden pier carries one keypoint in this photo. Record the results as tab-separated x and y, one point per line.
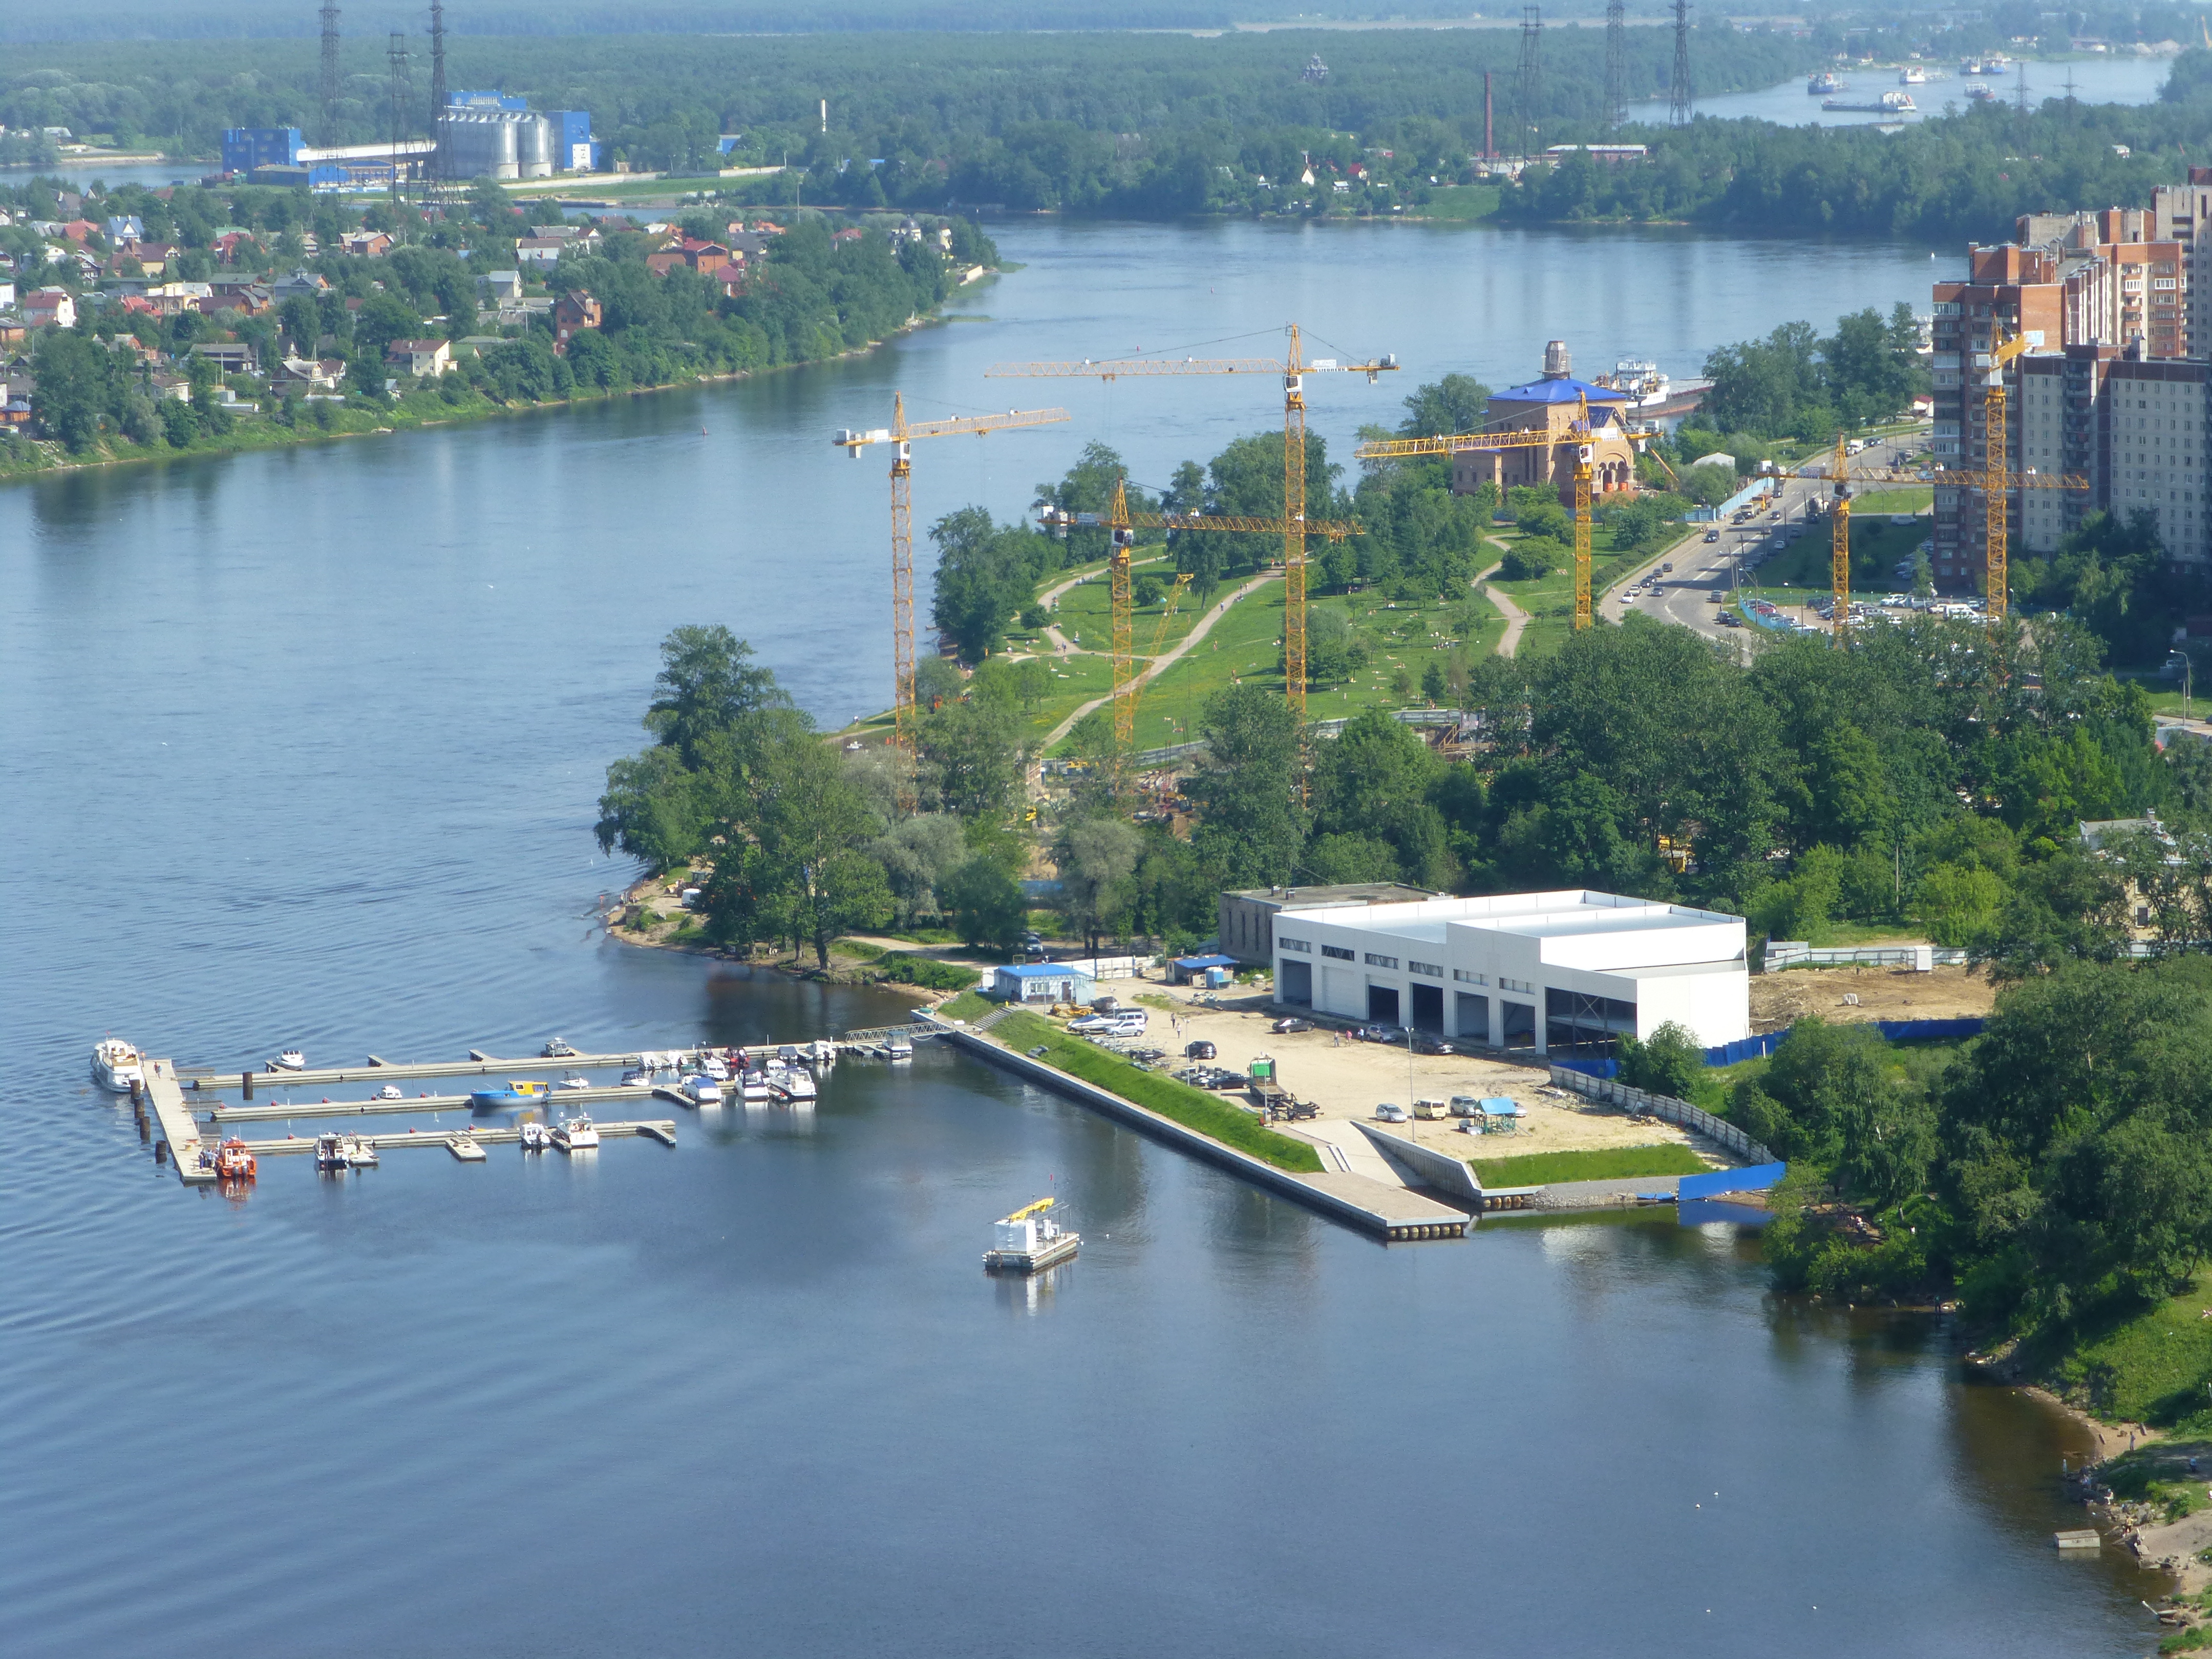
278	1111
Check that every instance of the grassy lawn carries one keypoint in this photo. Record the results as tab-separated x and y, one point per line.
1192	1108
1550	599
1917	498
1461	202
969	1005
1609	1163
1876	547
2148	1366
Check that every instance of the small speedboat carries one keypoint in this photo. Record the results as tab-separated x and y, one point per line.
290	1060
331	1153
578	1134
702	1090
556	1050
389	1092
360	1152
116	1065
794	1085
636	1076
573	1081
713	1066
753	1085
232	1162
464	1148
535	1137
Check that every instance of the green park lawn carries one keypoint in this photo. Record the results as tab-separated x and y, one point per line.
1550	598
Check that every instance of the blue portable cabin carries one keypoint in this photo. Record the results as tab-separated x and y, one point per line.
1042	982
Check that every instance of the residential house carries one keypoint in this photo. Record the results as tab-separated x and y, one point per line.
503	285
300	282
662	262
367	244
539	250
16	388
309	374
176	388
853	235
229	357
227	246
7	295
127	229
426	358
49	307
573	311
171	298
77	230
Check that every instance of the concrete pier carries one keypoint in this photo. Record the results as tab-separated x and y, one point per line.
194	1158
278	1111
662	1130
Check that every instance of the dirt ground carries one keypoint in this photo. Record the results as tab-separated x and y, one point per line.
1948	992
1348	1080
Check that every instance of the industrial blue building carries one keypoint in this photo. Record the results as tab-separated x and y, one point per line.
245	149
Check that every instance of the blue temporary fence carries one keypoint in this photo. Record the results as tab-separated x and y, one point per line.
1756	1179
1920	1030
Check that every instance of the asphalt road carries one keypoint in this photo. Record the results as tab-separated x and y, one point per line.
1684	595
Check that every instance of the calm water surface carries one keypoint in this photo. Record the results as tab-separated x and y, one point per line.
302	748
2095	80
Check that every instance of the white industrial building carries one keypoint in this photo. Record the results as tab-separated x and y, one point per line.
1542	973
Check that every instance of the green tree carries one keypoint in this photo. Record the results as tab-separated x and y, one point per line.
986	904
971	757
1250	829
1667	1062
1095	858
1446	408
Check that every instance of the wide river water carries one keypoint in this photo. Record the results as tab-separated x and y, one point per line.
301	748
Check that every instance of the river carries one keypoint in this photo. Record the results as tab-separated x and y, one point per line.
2095	80
301	748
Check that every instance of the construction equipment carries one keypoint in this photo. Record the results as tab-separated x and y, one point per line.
1578	435
1994	480
900	435
1293	369
1124	524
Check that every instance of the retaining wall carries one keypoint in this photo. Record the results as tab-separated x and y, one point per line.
1441	1170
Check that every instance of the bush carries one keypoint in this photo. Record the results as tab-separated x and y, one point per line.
927	972
1532	557
1670	1062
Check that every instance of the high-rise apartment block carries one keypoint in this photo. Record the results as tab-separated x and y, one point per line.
2112	388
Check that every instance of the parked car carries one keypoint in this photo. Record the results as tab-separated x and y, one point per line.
1386	1112
1291	1024
1198	1051
1425	1044
1090	1022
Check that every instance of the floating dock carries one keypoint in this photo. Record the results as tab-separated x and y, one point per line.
180	1135
662	1130
279	1111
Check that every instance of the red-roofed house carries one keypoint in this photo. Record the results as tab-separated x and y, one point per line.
572	310
49	307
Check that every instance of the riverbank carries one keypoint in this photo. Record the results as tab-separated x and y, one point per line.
449	404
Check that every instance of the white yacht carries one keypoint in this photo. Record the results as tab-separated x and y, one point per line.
715	1066
534	1136
701	1090
575	1080
794	1085
753	1086
290	1060
330	1153
116	1065
578	1134
389	1092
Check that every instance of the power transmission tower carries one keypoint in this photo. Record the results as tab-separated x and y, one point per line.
1616	64
402	96
330	88
1682	100
437	88
1532	74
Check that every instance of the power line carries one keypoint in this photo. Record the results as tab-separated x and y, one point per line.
437	86
1681	98
402	96
1616	64
1532	74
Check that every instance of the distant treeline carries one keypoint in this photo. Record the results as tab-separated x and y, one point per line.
1082	121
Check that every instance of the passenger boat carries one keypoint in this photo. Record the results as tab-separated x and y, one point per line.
1029	1242
290	1060
701	1090
464	1148
753	1085
1823	83
116	1065
794	1085
359	1154
497	1100
1912	75
232	1162
529	1089
578	1134
535	1138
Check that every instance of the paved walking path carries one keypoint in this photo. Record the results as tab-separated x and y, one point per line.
1160	664
1516	619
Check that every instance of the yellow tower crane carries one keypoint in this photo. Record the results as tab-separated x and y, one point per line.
1124	524
901	434
1579	436
1293	369
1840	479
1994	480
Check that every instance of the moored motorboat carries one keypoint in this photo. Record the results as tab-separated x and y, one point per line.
1029	1242
701	1090
331	1153
292	1060
898	1048
360	1152
574	1080
116	1065
535	1137
753	1086
1822	82
713	1066
794	1085
389	1092
232	1162
577	1135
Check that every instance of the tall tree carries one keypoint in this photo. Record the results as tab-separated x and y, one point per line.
1252	827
